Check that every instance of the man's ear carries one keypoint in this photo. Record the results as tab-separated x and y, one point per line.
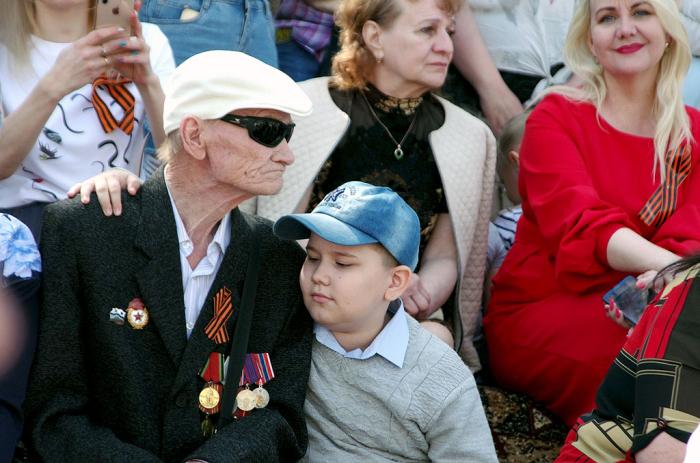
372	36
193	144
400	278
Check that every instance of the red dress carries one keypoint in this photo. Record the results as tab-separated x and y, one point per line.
580	180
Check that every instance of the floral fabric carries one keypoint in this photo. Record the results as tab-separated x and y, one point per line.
19	255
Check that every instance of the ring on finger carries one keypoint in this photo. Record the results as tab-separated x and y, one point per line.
103	53
107	61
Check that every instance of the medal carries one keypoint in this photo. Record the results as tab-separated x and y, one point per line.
212	373
137	314
209	398
246	400
262	397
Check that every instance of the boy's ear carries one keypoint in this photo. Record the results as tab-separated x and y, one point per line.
400	278
514	158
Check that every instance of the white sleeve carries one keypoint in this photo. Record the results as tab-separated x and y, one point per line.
162	60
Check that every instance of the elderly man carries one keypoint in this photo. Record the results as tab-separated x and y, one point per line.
176	331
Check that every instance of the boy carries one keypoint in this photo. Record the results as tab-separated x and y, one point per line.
381	388
507	166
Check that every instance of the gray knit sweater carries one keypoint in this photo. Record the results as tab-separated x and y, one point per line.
372	411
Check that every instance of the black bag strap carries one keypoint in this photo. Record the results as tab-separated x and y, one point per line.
241	333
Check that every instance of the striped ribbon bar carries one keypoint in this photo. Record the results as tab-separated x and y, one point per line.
257	369
223	309
663	202
122	96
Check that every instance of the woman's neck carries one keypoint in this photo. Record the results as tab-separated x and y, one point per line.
63	25
629	104
397	88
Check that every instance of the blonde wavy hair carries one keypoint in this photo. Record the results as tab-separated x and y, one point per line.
18	22
672	123
354	63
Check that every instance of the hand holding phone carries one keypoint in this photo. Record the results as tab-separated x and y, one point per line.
114	13
629	298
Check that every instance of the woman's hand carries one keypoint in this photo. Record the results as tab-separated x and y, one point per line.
81	62
108	186
500	106
615	314
417	298
131	55
653	281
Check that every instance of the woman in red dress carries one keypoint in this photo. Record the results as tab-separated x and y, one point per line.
610	183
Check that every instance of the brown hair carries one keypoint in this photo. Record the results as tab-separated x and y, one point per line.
353	64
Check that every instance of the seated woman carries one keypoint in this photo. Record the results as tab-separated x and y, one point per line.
610	186
648	404
20	269
59	127
376	120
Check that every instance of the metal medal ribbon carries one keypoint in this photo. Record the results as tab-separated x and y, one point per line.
212	374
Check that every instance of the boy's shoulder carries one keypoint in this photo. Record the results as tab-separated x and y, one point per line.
433	358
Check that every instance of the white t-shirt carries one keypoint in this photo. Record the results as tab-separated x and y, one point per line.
524	36
72	145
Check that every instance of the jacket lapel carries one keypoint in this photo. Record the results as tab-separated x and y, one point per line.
231	274
160	278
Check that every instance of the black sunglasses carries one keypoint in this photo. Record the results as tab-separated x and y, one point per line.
264	130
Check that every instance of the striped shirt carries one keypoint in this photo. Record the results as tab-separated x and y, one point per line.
507	222
310	27
197	282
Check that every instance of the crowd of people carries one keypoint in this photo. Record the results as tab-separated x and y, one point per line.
301	195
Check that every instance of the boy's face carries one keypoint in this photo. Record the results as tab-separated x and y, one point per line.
344	287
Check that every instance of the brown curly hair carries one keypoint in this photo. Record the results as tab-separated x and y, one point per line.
353	64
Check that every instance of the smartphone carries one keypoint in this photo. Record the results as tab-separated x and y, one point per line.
630	299
114	13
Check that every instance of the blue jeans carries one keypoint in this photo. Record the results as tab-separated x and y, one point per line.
240	25
296	62
691	92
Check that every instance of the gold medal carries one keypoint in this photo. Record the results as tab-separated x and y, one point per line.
246	400
137	318
262	397
209	398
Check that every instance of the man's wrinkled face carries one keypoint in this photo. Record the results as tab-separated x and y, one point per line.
239	161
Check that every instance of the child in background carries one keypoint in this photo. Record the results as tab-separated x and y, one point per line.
507	165
381	388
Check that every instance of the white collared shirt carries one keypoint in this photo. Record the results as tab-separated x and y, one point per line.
197	282
391	342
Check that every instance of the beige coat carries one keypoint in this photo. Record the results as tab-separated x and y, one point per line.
465	153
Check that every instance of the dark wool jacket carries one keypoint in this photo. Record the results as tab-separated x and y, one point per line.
109	393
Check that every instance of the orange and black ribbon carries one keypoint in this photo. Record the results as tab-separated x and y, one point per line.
663	202
122	96
223	308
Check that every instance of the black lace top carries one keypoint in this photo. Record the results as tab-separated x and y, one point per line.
366	151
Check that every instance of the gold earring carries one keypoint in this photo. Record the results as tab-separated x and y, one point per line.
379	59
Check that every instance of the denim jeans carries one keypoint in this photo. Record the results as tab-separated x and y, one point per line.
194	26
691	92
296	62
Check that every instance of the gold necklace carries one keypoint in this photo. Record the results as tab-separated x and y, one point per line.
398	152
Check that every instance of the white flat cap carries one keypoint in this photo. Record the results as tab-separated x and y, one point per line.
214	83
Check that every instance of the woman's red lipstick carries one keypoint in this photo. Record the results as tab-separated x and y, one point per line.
631	48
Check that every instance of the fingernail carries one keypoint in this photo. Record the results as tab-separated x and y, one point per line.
122	43
120	29
134	52
117	212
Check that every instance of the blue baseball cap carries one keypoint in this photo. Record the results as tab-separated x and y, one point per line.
358	213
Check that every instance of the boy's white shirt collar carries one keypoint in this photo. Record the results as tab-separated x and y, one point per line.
391	342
